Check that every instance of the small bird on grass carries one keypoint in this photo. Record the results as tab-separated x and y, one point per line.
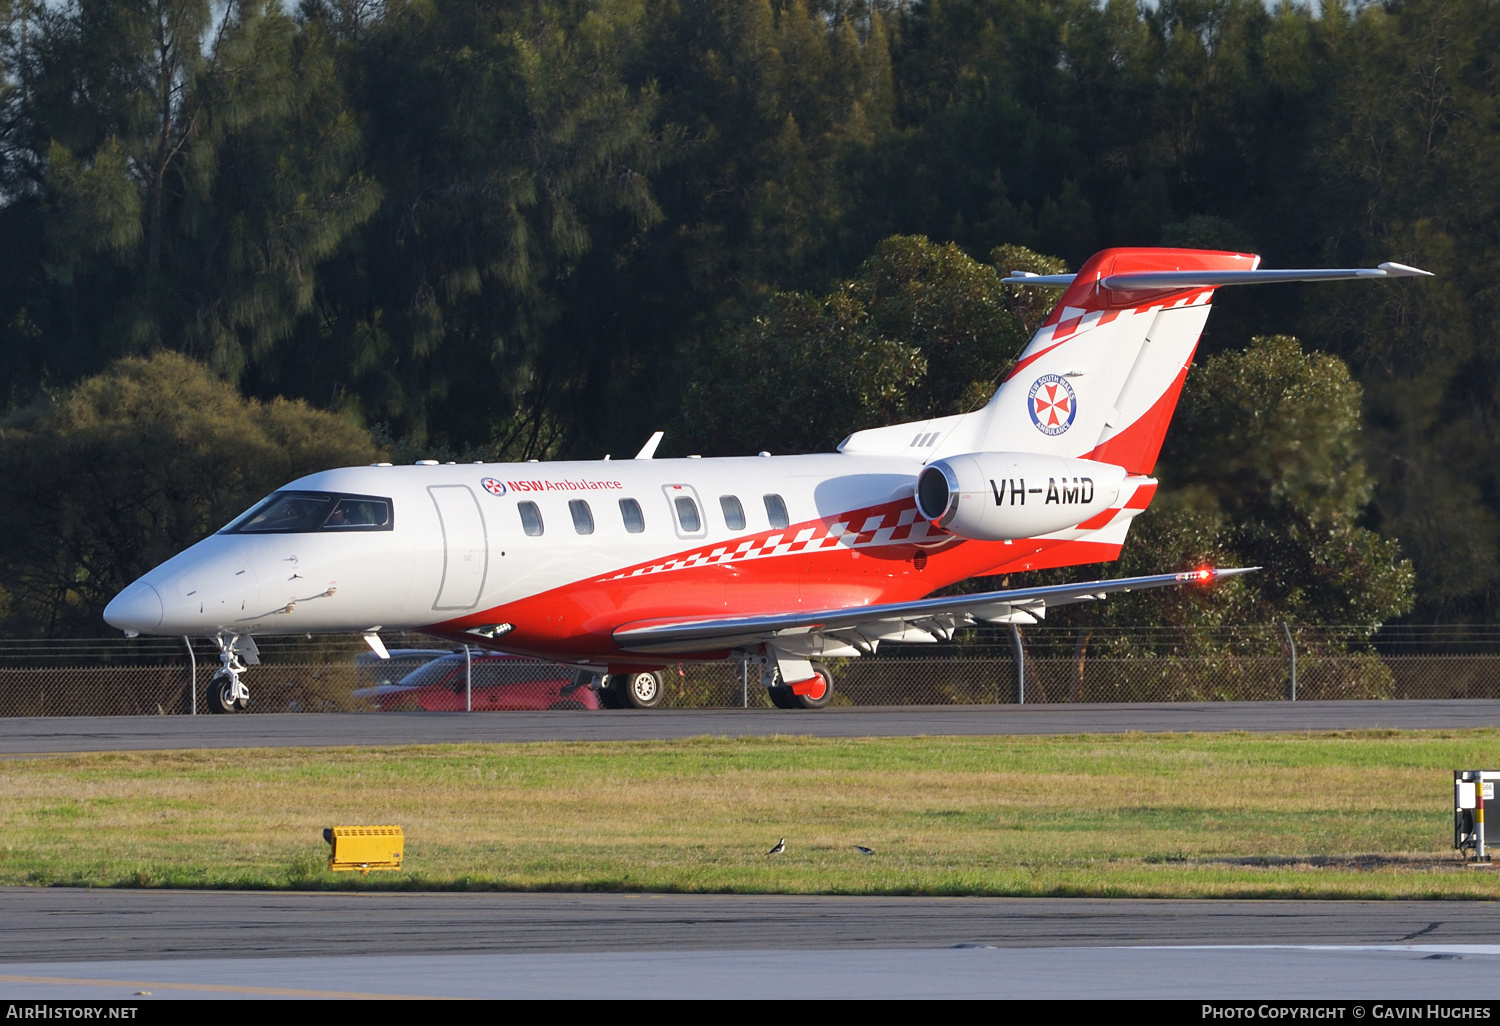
780	847
863	850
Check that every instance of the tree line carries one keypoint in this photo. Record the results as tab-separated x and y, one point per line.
539	228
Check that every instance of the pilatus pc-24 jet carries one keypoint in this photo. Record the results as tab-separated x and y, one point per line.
622	567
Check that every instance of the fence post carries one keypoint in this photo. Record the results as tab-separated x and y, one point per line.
1291	648
745	683
192	675
1015	639
468	681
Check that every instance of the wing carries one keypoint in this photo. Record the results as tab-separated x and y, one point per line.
857	631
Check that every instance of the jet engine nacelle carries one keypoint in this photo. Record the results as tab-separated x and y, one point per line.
997	496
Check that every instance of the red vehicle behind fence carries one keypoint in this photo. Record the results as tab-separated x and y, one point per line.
499	682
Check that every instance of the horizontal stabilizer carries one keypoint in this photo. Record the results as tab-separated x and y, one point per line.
1144	280
849	632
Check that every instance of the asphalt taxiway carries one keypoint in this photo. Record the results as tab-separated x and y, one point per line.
37	735
117	944
69	924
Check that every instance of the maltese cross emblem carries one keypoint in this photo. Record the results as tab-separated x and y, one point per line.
1052	404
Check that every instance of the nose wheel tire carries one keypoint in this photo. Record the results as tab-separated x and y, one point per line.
639	690
224	694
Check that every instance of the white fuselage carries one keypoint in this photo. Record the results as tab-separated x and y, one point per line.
457	555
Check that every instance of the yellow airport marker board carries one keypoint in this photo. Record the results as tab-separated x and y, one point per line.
365	847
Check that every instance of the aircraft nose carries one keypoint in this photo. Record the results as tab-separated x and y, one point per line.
137	608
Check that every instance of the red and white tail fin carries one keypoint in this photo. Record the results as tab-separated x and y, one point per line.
1101	378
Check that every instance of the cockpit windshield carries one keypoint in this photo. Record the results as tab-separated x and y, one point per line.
306	512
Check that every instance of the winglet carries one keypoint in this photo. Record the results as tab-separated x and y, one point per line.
649	449
1395	270
1027	278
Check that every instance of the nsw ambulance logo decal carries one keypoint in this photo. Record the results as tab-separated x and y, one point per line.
492	486
1052	404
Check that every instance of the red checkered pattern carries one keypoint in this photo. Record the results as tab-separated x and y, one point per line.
1076	319
895	523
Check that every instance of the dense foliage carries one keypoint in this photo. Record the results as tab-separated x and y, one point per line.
548	227
129	468
921	330
1263	469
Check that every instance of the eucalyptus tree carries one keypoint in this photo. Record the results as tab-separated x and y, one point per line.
505	144
187	164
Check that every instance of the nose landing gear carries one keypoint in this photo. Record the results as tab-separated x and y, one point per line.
226	692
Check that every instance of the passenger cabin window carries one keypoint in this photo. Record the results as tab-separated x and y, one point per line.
306	512
734	513
583	517
776	511
630	512
687	515
531	519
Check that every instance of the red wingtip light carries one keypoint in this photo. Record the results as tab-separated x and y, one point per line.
1204	574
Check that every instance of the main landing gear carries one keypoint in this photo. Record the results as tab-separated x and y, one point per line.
816	693
640	689
226	692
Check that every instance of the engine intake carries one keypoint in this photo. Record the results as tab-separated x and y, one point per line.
1001	496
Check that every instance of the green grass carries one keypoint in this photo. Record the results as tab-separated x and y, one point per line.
1358	814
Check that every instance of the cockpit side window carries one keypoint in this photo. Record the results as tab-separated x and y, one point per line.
358	513
306	512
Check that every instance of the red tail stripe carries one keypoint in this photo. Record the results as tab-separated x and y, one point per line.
1142	497
1137	447
1096	522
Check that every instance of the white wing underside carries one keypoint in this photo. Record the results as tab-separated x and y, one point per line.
793	638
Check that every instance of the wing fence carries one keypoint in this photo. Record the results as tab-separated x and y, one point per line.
149	677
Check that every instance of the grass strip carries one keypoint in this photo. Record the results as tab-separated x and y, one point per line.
1358	814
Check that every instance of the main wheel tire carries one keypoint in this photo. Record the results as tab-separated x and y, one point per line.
641	690
817	701
611	694
221	694
782	697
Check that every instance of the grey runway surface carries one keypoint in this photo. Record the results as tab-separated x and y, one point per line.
1367	975
38	735
63	924
110	944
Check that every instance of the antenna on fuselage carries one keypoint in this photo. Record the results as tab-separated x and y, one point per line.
649	449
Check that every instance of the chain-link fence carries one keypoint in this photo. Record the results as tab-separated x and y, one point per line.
1260	663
